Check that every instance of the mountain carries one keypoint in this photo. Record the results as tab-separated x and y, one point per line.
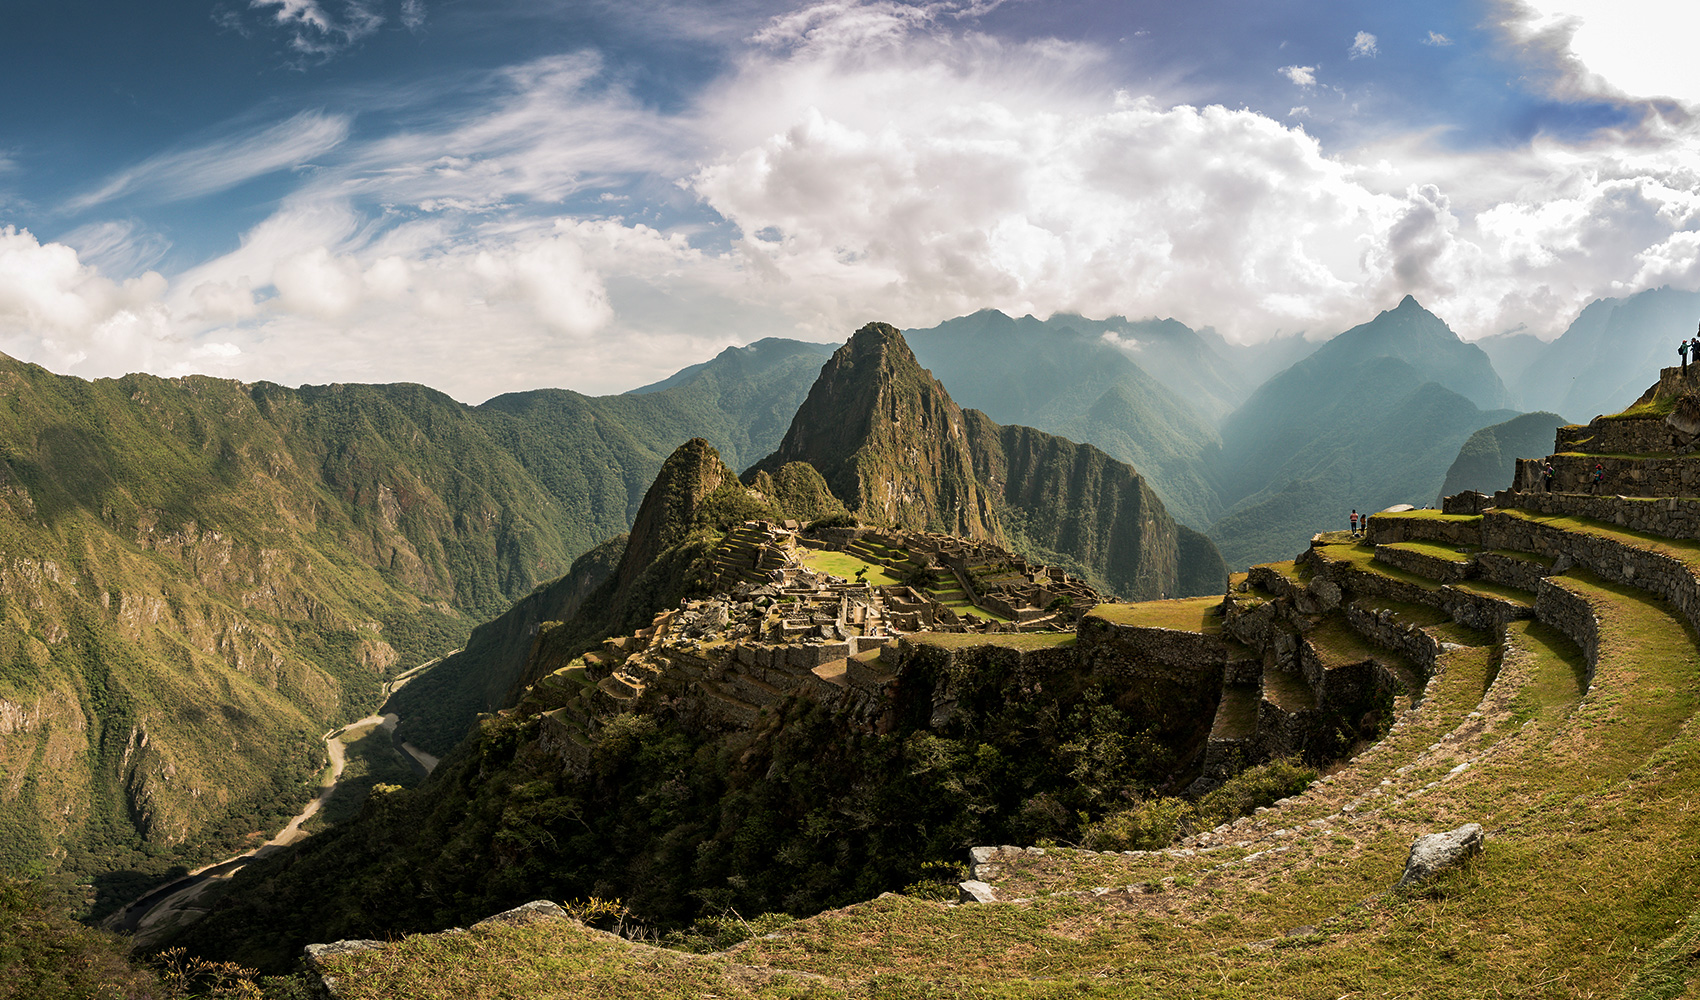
894	447
1609	353
204	575
1058	375
1512	354
1488	460
1370	419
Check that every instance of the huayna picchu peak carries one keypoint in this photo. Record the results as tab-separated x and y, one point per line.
894	448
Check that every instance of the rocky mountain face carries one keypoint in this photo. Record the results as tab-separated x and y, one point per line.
887	439
893	446
1078	378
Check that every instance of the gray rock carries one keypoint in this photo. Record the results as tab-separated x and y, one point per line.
537	909
1435	852
976	892
981	855
317	953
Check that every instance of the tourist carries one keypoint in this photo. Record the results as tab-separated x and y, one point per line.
1599	476
1354	522
1682	352
1547	478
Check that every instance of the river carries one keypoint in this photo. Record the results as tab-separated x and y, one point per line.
178	902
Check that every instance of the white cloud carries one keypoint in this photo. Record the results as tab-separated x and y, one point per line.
509	243
413	14
316	28
224	163
1437	39
1608	48
1363	46
59	312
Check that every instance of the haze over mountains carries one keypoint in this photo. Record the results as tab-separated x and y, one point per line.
185	552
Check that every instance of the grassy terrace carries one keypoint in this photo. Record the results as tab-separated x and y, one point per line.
845	565
1418	615
1685	550
1337	644
1362	557
1300	575
1632	456
1435	550
1429	515
1186	614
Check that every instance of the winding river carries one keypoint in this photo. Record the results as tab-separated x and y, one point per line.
178	902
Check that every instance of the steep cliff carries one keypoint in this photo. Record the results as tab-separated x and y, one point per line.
892	445
887	439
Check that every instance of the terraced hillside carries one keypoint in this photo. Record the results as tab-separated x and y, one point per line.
1543	668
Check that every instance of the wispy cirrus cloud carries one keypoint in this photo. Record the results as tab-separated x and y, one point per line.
223	163
319	28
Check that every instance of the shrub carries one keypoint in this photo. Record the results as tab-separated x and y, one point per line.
1149	825
1257	786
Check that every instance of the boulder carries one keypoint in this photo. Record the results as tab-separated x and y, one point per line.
1433	853
976	892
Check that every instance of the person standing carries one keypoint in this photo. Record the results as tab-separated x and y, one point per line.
1354	522
1682	352
1547	478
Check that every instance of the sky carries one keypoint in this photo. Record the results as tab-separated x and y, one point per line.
500	195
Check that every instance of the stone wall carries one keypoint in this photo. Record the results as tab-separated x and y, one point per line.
1172	678
1522	572
1427	527
1570	613
1672	517
1664	575
1633	436
1423	564
1381	628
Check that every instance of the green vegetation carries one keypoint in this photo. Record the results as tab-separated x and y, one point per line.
1488	460
1190	614
843	564
204	576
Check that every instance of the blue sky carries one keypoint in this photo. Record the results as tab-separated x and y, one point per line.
494	196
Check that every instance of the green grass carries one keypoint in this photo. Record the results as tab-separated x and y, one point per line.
1434	550
843	564
1428	515
1586	888
1186	614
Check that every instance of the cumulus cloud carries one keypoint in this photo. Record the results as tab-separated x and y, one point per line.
223	163
513	241
59	312
1581	49
1363	46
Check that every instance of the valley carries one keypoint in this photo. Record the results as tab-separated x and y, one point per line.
786	691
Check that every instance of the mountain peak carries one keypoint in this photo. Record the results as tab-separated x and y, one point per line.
887	438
